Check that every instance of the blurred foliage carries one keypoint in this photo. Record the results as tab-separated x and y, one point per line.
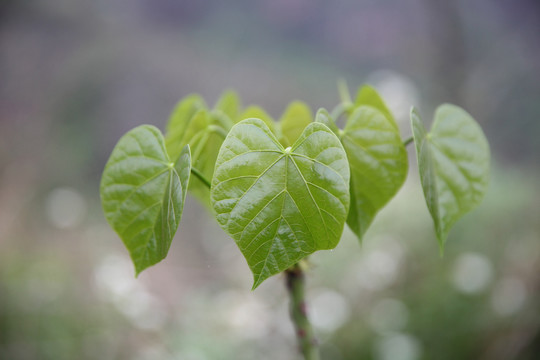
76	75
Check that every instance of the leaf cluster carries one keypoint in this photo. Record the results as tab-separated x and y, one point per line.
285	189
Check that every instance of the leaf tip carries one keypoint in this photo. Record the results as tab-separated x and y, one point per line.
365	88
414	114
185	153
322	112
442	235
441	249
448	106
360	239
139	269
343	90
257	280
354	226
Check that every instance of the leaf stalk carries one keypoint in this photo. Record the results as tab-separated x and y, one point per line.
201	177
408	141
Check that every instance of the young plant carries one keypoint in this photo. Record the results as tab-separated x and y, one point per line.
283	190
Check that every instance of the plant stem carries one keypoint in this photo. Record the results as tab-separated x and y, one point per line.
304	332
339	110
200	176
408	141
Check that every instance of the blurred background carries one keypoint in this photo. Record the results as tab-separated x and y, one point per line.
76	75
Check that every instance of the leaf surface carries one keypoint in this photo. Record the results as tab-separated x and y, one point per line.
453	161
378	162
143	194
254	111
325	118
278	204
294	120
229	104
179	121
367	95
204	133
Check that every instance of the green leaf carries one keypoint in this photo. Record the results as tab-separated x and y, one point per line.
229	104
192	123
278	204
367	95
453	160
254	111
143	194
343	90
378	162
294	120
179	121
204	134
325	118
220	119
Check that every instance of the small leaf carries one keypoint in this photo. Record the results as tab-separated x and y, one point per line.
254	111
143	194
204	134
324	117
453	161
192	123
343	90
179	121
293	121
229	104
220	119
367	95
280	205
378	162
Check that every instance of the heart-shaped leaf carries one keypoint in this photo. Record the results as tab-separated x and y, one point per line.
229	104
325	118
179	121
294	120
254	111
368	96
143	194
278	204
453	160
378	162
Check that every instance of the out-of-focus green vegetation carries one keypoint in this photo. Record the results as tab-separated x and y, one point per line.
77	75
393	295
